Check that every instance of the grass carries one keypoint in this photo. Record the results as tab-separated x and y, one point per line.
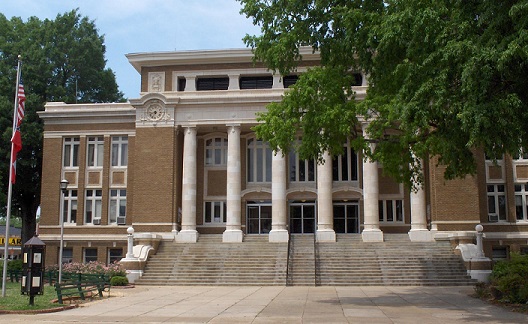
15	301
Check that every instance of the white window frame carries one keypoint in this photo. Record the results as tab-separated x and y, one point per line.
259	161
213	218
496	194
215	151
391	218
70	152
118	199
95	152
69	201
93	204
521	195
119	151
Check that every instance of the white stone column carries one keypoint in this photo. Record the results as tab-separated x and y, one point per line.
188	231
233	232
371	231
279	206
325	211
277	82
419	231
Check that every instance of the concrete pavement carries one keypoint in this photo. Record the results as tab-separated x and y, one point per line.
184	304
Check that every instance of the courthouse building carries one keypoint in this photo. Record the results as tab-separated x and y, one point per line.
182	161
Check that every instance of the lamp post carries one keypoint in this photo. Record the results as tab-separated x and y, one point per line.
63	188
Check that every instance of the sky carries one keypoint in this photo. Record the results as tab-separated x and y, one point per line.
139	26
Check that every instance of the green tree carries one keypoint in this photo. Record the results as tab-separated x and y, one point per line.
447	78
63	60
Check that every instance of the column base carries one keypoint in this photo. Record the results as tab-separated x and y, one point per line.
375	235
187	236
232	236
326	236
421	235
278	236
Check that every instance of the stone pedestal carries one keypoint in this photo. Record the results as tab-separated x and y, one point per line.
372	235
187	236
278	236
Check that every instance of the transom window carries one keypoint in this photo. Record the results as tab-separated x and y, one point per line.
93	206
70	152
117	212
345	166
496	202
391	210
95	151
521	202
259	156
215	212
216	151
70	207
119	151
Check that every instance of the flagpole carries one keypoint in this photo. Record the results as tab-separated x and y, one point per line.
10	188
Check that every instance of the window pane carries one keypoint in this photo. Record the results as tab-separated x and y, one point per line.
260	165
124	154
207	212
250	165
390	211
502	208
344	166
268	164
75	155
399	211
380	207
115	154
519	207
491	204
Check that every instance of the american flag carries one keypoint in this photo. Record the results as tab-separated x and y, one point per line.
16	140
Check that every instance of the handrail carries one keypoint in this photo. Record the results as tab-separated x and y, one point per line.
315	257
288	258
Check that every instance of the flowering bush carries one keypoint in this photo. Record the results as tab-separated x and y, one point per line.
92	267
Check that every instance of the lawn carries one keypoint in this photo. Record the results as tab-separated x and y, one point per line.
15	301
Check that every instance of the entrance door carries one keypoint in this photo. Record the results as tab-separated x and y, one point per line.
302	217
346	217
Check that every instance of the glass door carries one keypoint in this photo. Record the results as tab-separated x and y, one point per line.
302	217
346	217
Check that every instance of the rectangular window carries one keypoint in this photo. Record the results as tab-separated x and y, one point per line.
93	206
289	80
70	207
70	152
217	83
67	255
345	166
256	82
119	154
521	202
95	152
258	217
301	170
114	255
89	255
496	202
182	83
216	151
259	157
390	210
117	212
215	212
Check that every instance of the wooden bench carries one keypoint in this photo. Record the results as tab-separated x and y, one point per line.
86	287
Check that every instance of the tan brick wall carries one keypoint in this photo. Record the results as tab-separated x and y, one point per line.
153	169
453	200
51	177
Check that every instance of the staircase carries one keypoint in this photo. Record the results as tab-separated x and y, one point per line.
395	262
211	262
347	262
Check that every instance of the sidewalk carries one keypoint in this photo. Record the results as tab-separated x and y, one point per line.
176	304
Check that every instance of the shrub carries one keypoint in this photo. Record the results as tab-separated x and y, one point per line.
12	264
510	278
119	281
93	267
